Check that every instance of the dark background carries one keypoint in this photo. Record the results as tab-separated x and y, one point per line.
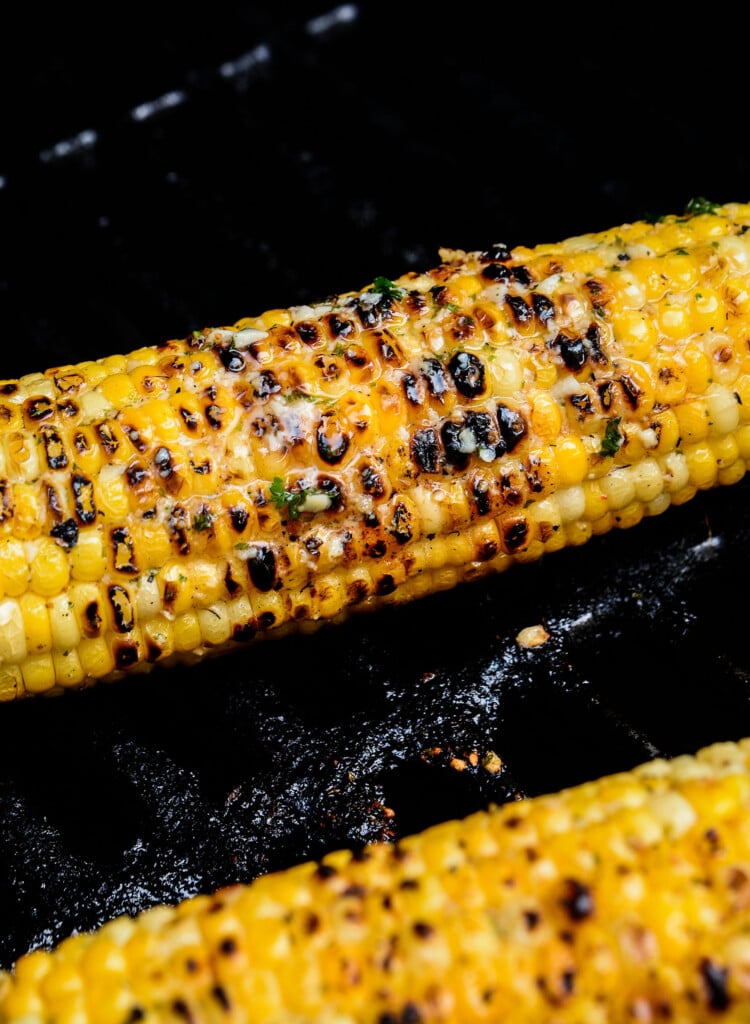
306	150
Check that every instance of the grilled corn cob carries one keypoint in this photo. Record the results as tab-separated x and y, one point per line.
624	899
388	443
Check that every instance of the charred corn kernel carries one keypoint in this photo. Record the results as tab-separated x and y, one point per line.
277	473
618	899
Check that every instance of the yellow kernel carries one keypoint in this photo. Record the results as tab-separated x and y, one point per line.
671	380
618	487
667	429
63	979
675	471
628	516
674	320
38	671
36	622
546	418
49	568
187	632
506	372
112	494
118	389
63	623
596	500
725	449
681	270
12	636
177	592
701	463
742	437
635	332
708	312
11	682
149	382
14	569
88	560
571	502
214	624
572	460
698	367
27	512
723	409
647	479
95	657
694	420
733	473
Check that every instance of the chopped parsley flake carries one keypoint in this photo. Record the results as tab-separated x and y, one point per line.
612	440
384	286
294	501
202	520
700	205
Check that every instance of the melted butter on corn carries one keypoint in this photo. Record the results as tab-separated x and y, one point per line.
368	450
625	898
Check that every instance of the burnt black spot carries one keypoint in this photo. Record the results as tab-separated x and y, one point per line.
92	618
372	481
577	900
307	331
163	462
519	307
232	360
213	415
522	275
512	428
631	391
376	550
606	395
125	655
54	450
107	438
543	307
189	418
411	389
464	327
410	1014
227	947
38	409
434	373
715	981
266	620
244	632
135	474
266	384
515	533
9	389
66	533
230	582
331	447
324	871
339	327
423	930
572	351
261	566
450	434
385	585
401	523
497	251
238	518
356	356
123	550
481	493
68	408
594	339
83	495
531	919
496	272
467	371
136	1014
122	609
425	450
582	404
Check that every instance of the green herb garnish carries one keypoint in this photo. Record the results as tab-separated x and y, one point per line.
386	287
700	205
612	440
293	501
202	520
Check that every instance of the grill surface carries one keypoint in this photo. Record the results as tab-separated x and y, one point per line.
191	177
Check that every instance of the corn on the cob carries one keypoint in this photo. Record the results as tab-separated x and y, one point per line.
624	899
385	444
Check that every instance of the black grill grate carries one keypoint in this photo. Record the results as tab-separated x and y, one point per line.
270	161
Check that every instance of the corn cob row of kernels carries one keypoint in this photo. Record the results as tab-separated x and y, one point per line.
622	899
187	498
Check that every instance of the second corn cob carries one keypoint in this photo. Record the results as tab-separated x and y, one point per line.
624	899
388	443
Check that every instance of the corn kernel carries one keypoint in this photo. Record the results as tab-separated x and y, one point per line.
88	559
63	623
49	568
118	389
723	409
14	569
187	632
694	419
95	657
701	462
12	635
37	629
635	332
618	487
